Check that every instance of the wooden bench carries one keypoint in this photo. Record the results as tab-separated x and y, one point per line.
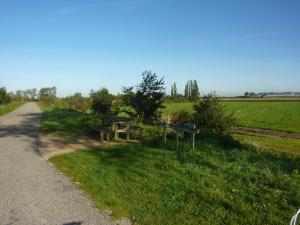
102	131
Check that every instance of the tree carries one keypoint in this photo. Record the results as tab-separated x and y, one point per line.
191	90
173	91
186	91
148	97
195	90
211	118
77	102
47	94
101	101
33	94
4	96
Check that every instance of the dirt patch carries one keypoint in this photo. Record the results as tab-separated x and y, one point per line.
244	130
51	145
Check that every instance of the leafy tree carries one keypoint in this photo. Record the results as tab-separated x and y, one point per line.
77	102
174	91
148	97
33	94
101	101
47	94
191	90
186	91
4	96
211	118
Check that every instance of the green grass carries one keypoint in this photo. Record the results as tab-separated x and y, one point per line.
4	109
64	122
213	186
289	145
271	115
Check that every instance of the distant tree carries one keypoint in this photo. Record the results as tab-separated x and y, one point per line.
195	90
148	97
101	101
174	91
77	102
211	118
47	94
186	91
191	90
33	94
4	96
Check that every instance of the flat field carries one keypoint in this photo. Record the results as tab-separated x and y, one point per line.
270	115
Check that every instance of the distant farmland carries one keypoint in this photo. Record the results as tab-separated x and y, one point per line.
271	115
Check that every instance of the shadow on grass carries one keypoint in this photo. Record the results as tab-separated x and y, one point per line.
67	122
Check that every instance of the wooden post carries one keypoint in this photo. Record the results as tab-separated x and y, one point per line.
107	136
193	140
127	132
116	132
102	136
165	135
177	139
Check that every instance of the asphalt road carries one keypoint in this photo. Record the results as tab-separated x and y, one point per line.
32	192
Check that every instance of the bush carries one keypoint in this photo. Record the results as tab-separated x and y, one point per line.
180	117
101	101
77	102
4	96
211	118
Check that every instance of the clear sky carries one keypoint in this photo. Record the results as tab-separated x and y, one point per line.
230	46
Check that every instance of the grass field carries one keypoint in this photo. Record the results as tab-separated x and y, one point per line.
279	116
213	186
288	145
4	109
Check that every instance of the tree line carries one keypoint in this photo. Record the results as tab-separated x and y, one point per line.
191	91
143	101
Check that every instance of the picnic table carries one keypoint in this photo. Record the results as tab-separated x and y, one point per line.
121	125
102	131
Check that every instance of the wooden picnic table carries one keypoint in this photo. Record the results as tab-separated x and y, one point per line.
121	125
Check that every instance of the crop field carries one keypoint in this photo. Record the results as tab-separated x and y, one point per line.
271	115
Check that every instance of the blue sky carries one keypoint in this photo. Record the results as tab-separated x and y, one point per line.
229	46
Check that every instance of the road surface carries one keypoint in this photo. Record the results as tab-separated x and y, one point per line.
32	192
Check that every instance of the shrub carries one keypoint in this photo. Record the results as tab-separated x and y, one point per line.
77	102
211	118
4	96
101	101
180	117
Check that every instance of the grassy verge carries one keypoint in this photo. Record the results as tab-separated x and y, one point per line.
213	186
64	122
4	109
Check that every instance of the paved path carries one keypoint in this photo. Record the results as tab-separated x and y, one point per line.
31	191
